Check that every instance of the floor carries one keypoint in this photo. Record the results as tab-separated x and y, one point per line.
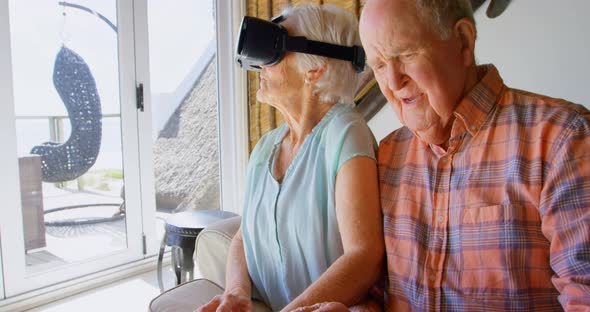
129	295
75	243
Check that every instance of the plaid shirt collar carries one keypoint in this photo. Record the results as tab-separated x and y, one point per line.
474	109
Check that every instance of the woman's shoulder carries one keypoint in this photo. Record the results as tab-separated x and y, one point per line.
346	114
346	136
345	118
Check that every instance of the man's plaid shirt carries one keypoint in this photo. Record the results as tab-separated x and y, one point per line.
500	220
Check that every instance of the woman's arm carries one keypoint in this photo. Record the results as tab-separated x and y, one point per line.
368	305
361	227
237	279
238	287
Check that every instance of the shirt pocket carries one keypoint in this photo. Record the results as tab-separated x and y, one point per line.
503	250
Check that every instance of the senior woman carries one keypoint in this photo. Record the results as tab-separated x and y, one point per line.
312	228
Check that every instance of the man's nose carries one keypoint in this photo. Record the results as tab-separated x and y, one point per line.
396	78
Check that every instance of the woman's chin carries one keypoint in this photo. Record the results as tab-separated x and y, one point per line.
260	96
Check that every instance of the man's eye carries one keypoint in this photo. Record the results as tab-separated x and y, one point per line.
407	56
378	67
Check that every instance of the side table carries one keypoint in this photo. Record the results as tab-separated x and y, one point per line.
181	232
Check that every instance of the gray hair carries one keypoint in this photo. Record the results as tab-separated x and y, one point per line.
441	15
331	24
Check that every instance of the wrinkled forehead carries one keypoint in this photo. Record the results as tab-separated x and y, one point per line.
384	13
390	34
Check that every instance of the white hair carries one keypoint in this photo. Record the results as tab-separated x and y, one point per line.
441	15
331	24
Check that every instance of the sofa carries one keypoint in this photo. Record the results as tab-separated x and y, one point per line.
211	248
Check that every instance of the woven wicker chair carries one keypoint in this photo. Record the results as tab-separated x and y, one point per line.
76	86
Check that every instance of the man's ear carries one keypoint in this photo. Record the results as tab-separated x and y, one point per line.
465	31
314	75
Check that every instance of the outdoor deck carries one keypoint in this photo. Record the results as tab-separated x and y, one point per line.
74	243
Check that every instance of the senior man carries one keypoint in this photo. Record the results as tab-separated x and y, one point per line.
485	191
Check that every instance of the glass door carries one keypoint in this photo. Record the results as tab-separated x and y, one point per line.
71	183
183	110
184	114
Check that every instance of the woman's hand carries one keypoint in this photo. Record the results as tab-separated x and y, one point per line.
368	305
324	307
238	289
228	302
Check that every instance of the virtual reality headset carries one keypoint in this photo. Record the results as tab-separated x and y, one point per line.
265	43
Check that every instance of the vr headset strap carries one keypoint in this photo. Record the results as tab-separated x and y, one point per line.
301	44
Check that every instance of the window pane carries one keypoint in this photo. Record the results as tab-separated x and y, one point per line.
66	91
184	106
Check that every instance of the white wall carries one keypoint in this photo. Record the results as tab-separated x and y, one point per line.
384	122
541	46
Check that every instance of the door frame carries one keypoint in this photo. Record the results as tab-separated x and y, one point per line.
144	126
233	141
8	135
232	101
15	276
232	113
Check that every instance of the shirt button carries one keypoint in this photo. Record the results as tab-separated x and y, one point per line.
432	278
444	159
440	219
473	127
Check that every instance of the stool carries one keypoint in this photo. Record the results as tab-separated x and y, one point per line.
181	233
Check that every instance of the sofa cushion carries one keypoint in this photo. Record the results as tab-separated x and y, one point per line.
211	248
191	295
185	297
